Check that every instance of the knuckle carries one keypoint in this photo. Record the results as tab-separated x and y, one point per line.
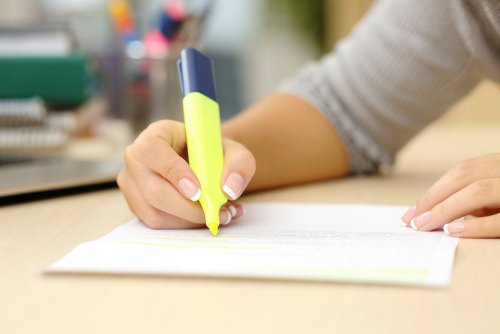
482	188
421	204
154	220
140	148
440	210
162	125
162	129
171	169
152	127
465	170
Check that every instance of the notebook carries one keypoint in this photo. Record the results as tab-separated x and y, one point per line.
25	124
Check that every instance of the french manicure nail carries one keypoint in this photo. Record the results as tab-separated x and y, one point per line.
234	185
232	210
409	214
229	218
420	221
445	229
190	189
224	217
454	228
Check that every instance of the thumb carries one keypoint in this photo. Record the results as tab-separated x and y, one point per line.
239	168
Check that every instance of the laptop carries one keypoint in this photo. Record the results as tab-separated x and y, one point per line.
23	175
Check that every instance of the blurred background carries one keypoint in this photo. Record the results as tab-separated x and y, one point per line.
254	44
115	60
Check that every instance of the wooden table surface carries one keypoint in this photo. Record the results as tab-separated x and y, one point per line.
35	234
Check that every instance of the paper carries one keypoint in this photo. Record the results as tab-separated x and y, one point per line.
349	243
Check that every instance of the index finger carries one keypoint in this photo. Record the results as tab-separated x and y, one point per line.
161	148
239	168
464	174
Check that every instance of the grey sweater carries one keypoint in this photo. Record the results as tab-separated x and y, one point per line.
401	68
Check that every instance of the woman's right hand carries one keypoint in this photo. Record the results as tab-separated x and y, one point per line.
161	188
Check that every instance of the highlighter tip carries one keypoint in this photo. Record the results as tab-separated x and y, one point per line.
214	229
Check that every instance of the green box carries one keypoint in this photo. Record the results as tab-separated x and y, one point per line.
60	81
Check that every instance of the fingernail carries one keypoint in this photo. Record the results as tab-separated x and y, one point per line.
232	210
234	185
408	216
445	229
420	220
190	189
454	228
224	217
403	224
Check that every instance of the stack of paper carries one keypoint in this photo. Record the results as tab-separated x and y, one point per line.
350	243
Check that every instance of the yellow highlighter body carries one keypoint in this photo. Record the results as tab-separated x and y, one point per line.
205	153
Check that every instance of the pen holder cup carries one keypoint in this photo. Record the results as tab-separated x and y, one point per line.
152	91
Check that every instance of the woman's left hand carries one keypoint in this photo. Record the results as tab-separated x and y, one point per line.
465	202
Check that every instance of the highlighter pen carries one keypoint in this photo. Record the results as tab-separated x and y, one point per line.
203	132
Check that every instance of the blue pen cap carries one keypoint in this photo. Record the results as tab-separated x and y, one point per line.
169	26
196	73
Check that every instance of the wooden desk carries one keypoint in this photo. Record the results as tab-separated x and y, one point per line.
34	235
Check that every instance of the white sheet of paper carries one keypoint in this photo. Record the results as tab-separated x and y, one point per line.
349	243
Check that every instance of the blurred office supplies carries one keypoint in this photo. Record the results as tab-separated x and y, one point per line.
23	126
40	41
46	94
123	21
22	112
30	143
192	25
44	82
156	45
171	18
31	140
151	87
27	127
60	81
121	15
40	61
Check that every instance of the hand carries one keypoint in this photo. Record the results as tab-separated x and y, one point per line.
465	202
162	190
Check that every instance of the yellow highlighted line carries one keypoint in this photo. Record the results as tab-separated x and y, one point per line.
197	246
375	271
180	238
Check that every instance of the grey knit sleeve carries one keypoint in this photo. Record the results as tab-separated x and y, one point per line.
401	68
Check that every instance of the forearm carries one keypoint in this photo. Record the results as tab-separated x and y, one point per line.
402	67
292	142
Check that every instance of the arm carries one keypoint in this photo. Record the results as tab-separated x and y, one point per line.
292	142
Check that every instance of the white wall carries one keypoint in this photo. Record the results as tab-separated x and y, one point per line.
18	11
